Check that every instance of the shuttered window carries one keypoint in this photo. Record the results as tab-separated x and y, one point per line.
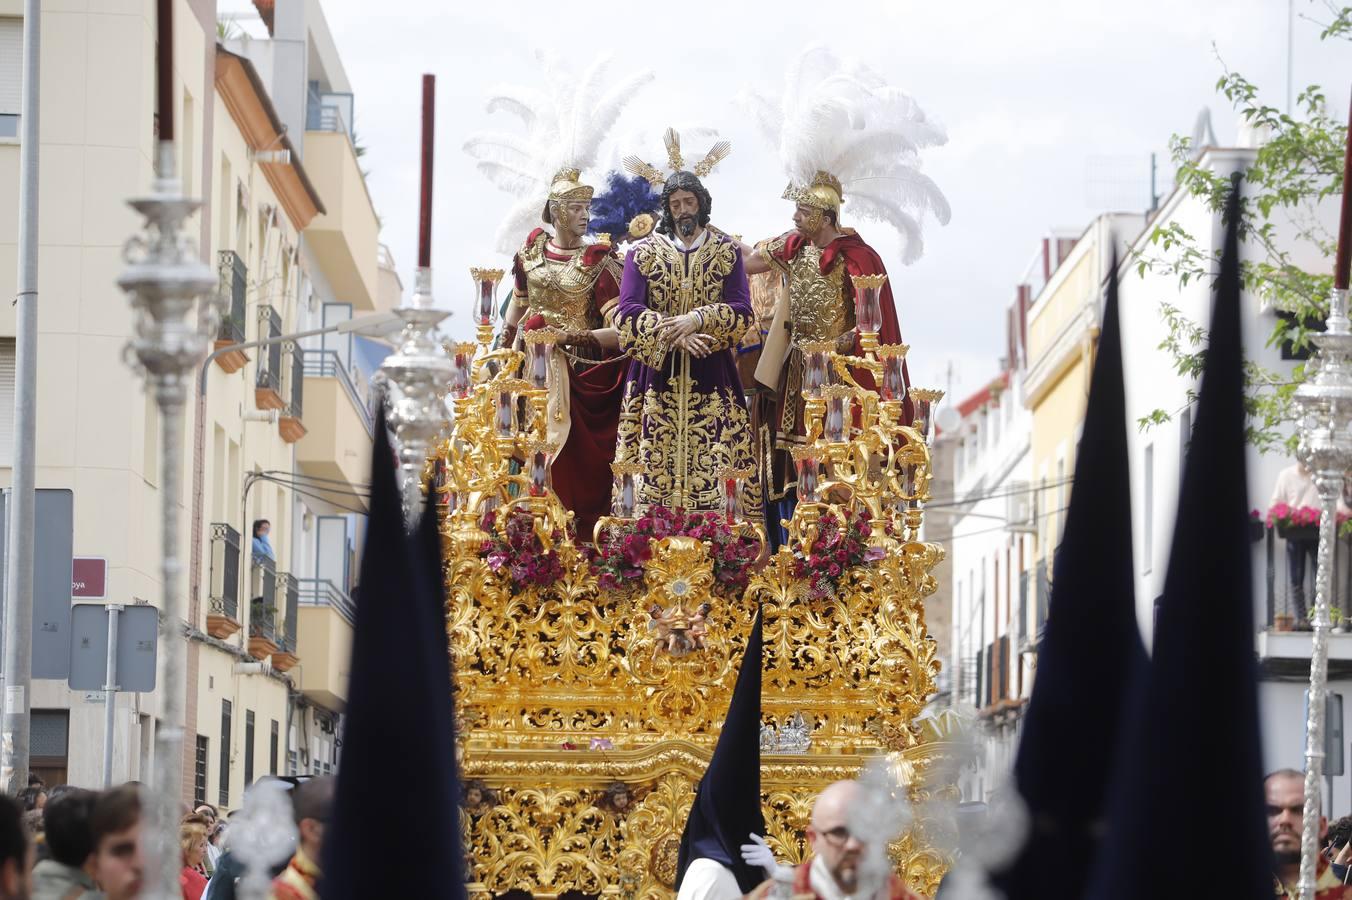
11	74
6	401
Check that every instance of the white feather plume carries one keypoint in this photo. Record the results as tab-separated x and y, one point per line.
562	125
843	118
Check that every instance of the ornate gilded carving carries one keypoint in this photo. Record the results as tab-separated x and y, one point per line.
564	690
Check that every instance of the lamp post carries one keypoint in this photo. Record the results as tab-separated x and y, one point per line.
418	373
170	338
1324	424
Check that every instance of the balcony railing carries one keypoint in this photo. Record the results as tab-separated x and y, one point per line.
322	592
328	364
223	600
233	289
1287	606
289	589
263	607
328	111
294	366
270	363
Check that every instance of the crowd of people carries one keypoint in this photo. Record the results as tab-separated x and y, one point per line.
68	843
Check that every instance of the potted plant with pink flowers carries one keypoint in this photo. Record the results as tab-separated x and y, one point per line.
841	543
619	556
517	552
1294	523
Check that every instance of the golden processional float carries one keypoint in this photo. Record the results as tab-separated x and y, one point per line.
591	680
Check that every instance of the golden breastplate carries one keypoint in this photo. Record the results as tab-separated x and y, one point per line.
817	302
560	290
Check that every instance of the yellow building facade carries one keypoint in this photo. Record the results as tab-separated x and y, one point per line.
1063	329
280	432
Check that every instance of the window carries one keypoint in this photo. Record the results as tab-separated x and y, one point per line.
199	775
6	401
272	749
11	75
224	797
1148	514
48	744
248	748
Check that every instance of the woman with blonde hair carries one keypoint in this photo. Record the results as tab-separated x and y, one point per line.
192	842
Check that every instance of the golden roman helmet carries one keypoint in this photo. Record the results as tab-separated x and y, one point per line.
823	192
565	187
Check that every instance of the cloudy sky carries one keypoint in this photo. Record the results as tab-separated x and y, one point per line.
1052	107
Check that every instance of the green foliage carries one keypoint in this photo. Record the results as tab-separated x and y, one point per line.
1299	166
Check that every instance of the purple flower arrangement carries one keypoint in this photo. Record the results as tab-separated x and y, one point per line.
840	545
520	553
620	555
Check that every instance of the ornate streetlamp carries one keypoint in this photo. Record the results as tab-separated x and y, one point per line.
419	373
1324	423
171	335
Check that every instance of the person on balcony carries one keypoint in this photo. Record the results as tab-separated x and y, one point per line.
261	545
1295	487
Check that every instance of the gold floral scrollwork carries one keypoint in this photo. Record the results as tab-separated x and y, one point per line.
545	839
652	836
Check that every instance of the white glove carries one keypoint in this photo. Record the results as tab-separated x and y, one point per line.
758	853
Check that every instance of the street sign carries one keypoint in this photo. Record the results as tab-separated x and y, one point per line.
137	631
89	578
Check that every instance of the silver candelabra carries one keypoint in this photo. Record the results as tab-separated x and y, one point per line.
165	278
416	378
1324	405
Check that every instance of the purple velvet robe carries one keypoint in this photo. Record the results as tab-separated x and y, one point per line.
683	418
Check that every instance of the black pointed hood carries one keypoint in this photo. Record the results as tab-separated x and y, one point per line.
727	808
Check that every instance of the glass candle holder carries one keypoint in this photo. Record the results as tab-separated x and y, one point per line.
892	386
807	462
624	489
925	400
539	343
910	485
868	316
505	419
538	464
732	483
488	512
485	294
816	364
462	361
839	399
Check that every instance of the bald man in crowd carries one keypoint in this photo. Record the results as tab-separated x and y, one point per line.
832	870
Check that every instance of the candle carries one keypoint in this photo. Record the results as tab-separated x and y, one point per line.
164	67
506	419
462	358
1344	258
809	472
485	285
867	302
815	368
893	385
924	408
429	90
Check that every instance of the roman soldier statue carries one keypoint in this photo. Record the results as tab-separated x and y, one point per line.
850	143
564	279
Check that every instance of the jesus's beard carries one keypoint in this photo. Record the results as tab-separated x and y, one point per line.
686	225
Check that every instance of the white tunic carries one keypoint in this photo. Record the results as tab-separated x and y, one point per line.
708	880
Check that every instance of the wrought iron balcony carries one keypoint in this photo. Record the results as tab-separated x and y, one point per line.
223	599
263	608
233	289
268	384
293	391
288	590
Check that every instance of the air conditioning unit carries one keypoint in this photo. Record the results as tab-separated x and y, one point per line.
1020	508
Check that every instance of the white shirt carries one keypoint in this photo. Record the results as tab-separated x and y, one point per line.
693	245
1295	489
709	880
